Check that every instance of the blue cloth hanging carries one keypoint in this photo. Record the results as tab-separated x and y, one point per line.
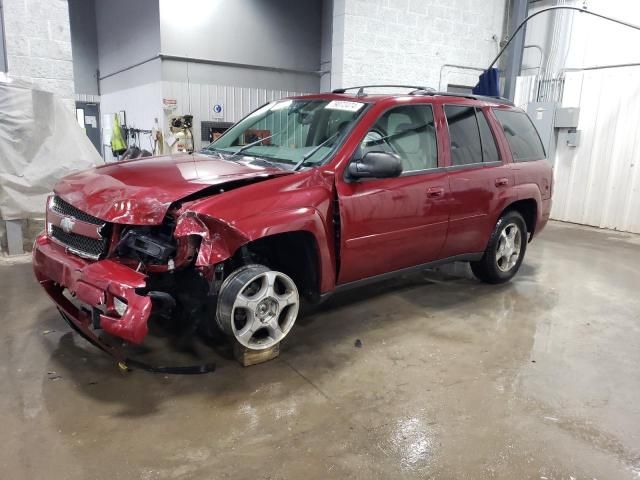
488	83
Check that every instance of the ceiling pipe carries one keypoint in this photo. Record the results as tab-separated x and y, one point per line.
548	9
539	48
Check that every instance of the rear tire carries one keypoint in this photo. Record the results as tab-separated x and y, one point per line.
505	250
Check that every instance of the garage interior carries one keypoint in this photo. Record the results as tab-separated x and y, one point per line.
429	375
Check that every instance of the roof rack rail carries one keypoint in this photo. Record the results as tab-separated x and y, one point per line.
466	95
472	96
414	89
419	90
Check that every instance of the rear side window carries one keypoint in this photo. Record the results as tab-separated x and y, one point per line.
489	149
464	135
522	136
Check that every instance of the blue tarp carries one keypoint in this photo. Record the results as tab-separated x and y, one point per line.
488	83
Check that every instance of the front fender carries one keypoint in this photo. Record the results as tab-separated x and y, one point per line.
221	238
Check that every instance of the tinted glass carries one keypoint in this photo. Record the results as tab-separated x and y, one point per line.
489	149
522	136
464	135
292	132
409	132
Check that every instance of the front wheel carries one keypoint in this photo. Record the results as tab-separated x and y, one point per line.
505	251
257	306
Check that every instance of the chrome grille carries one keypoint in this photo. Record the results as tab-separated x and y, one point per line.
83	246
79	244
68	210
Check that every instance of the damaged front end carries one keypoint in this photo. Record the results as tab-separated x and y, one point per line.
118	277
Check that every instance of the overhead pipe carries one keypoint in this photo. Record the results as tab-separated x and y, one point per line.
548	9
539	48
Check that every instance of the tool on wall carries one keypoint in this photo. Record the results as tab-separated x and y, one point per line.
134	150
181	138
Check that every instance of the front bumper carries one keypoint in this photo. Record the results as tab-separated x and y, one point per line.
93	285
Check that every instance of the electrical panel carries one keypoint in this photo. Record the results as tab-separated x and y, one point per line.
567	117
542	114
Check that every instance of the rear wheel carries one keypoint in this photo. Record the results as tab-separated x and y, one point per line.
505	251
257	306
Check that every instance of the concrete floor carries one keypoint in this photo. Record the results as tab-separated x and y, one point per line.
455	379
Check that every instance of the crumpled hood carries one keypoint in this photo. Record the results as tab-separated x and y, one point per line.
140	191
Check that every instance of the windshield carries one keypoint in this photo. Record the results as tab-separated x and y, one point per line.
295	132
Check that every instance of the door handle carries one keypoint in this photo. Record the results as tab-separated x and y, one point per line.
435	192
501	182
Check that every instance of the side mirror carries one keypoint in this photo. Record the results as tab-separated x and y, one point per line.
375	165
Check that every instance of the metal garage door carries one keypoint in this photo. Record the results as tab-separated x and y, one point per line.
598	182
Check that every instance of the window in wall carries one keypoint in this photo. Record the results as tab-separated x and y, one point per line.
409	132
489	149
522	136
464	135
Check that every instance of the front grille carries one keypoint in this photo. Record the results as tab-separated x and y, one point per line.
87	247
79	244
68	210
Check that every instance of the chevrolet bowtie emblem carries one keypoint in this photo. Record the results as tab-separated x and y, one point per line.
67	224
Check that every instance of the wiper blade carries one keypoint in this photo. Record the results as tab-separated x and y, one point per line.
213	150
315	149
254	143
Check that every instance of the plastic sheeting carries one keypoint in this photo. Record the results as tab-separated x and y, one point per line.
40	142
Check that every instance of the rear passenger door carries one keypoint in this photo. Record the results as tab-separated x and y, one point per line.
479	179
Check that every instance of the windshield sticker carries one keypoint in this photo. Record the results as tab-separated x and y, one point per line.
344	105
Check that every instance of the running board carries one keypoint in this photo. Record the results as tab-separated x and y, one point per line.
467	257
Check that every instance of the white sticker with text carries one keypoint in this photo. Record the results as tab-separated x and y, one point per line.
344	105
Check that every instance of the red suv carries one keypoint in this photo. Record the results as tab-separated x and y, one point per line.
303	197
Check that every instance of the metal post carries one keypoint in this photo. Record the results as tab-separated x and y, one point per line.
513	60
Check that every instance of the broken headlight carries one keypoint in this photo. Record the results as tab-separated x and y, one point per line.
148	245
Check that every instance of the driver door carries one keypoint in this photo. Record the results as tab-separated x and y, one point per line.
393	223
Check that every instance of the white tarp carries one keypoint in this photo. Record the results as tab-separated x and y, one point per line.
40	142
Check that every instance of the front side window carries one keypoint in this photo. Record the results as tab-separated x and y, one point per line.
524	141
407	131
303	132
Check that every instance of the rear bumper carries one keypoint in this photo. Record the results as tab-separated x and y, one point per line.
94	285
543	216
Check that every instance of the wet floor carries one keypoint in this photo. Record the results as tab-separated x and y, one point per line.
454	380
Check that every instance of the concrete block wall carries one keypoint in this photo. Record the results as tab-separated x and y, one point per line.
409	41
38	44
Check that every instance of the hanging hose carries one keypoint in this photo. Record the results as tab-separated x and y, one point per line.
548	9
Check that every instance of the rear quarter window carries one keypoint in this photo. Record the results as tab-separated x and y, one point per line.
522	136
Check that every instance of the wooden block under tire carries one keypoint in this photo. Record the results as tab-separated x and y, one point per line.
247	357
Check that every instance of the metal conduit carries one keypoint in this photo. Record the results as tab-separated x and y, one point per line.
548	9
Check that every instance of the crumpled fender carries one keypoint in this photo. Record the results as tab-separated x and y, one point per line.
221	239
218	239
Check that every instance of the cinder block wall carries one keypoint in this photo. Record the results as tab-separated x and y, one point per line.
38	43
408	41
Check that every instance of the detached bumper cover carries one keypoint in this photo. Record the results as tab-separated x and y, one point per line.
93	284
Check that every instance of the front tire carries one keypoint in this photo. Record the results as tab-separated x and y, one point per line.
257	306
505	251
